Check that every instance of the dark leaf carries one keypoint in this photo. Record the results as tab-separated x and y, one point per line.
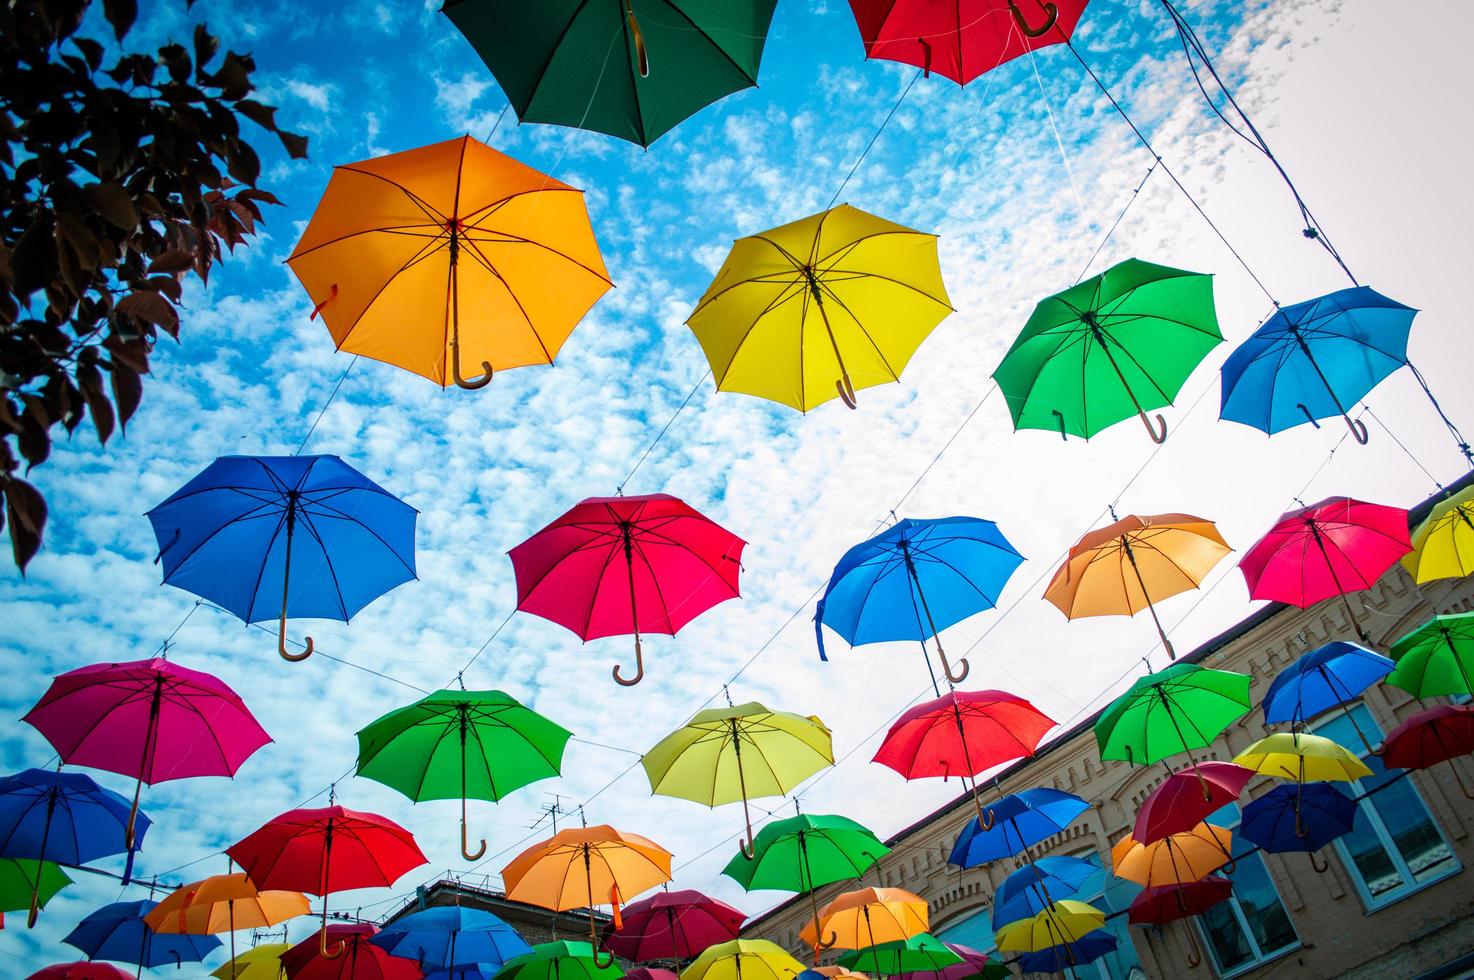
89	379
127	391
176	59
114	204
91	50
35	440
174	260
205	47
262	115
121	14
295	143
25	510
150	306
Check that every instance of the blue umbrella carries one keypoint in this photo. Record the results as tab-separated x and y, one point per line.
1036	886
1322	679
1299	817
473	971
1020	820
117	932
1057	959
915	579
452	936
1316	359
235	534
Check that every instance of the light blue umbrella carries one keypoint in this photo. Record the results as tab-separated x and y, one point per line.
1037	885
1325	678
1019	821
452	936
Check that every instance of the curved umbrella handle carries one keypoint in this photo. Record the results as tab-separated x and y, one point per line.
1308	417
1195	952
468	384
1319	868
1358	429
1158	432
35	909
281	638
322	946
639	669
947	667
846	391
987	819
1060	417
1051	15
466	840
602	964
637	38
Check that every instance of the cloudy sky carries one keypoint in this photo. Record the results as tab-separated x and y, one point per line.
1020	174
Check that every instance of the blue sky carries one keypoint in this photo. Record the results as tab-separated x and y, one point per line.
1019	174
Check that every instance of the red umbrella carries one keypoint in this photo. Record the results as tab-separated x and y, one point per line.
963	733
1439	734
961	40
676	925
149	719
1162	904
319	850
1337	546
1186	798
618	565
83	970
363	960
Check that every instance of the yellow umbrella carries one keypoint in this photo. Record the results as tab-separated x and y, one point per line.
1062	922
260	963
868	917
1133	563
743	959
224	903
820	307
1175	859
1302	758
740	752
413	256
1443	545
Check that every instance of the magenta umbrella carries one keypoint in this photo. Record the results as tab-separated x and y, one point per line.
612	566
149	719
972	964
1337	546
674	925
650	973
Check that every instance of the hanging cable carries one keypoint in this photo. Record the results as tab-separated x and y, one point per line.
1453	430
863	153
324	410
1117	223
619	490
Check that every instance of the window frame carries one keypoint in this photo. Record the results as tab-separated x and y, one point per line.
1260	957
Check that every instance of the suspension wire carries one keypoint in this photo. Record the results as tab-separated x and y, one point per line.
323	411
497	125
619	490
1453	430
1058	140
1117	223
1406	451
865	152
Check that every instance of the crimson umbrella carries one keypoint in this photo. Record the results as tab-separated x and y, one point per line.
319	850
1439	734
358	960
1186	798
676	925
149	719
617	565
651	973
962	40
81	970
963	733
1327	549
1161	904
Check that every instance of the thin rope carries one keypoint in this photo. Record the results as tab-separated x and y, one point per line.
494	633
865	152
1453	430
1406	451
323	411
1117	223
497	125
945	446
619	491
1058	140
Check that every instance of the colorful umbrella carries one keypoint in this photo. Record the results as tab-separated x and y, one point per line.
1162	904
230	536
867	917
21	879
1302	758
1315	360
1176	858
648	973
584	866
617	565
1438	734
257	963
319	850
1113	346
1443	544
120	932
633	69
63	817
1187	798
915	579
474	971
743	959
460	744
560	961
1134	563
1436	658
382	259
357	958
961	46
832	972
974	966
1337	546
702	761
1298	818
1016	822
148	719
224	903
963	733
1065	957
1034	887
821	307
81	970
1063	922
674	925
1179	709
452	936
921	952
1322	679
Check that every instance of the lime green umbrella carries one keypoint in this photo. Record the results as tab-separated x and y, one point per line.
559	961
922	951
1108	348
1436	658
1179	709
18	880
461	744
739	752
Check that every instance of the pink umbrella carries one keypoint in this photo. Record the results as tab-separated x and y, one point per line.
81	970
618	565
1337	546
651	973
1186	798
972	964
676	925
149	719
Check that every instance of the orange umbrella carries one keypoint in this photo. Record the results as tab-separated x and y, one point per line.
867	917
586	866
1175	859
1128	565
840	973
224	903
412	256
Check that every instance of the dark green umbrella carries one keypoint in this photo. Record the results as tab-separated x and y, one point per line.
1108	348
629	68
18	880
920	952
1436	658
559	961
461	744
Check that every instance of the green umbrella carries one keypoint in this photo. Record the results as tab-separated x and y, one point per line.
922	951
461	744
629	68
18	881
1108	348
1436	658
558	961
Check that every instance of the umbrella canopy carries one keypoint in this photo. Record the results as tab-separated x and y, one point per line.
1176	858
20	877
257	963
962	41
1034	887
1187	798
617	565
1133	563
1330	548
1436	658
743	959
81	970
1066	921
1438	734
820	308
1306	817
1116	345
921	952
461	744
704	760
974	965
357	959
120	932
1302	758
1015	822
1179	709
1315	360
475	971
148	719
1325	678
632	70
452	936
867	917
1167	903
915	579
674	925
1443	544
1059	959
224	903
648	973
230	535
805	852
402	245
560	961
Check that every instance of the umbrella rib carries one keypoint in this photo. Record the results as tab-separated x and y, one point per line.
874	346
713	42
598	586
383	229
266	557
412	260
431	212
253	514
308	523
857	274
659	592
850	245
511	239
335	513
531	327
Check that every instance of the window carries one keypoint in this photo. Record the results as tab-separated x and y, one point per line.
1111	895
976	931
1253	925
1395	848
